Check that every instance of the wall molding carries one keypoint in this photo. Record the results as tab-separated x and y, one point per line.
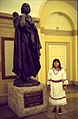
58	32
9	16
9	20
4	99
74	83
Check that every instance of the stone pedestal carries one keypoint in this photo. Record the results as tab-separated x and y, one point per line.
26	101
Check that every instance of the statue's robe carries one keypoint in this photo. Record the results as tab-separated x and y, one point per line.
26	48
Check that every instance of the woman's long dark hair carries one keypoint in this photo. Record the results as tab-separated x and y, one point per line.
58	62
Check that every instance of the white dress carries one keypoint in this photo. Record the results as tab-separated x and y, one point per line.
56	79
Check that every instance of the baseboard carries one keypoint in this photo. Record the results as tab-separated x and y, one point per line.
74	83
3	99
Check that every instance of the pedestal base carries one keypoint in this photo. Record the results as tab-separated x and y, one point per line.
27	101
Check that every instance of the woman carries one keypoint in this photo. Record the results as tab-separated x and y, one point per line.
57	81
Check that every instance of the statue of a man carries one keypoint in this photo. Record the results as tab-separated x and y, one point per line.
26	47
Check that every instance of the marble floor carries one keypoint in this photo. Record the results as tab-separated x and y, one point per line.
69	111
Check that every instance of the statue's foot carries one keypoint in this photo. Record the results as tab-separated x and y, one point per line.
18	82
26	83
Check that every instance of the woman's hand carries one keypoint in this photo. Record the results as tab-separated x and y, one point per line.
64	87
48	87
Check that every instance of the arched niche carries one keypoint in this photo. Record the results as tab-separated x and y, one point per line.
51	7
59	21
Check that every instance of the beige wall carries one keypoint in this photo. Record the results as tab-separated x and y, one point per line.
59	25
75	58
58	6
44	53
56	25
9	6
6	30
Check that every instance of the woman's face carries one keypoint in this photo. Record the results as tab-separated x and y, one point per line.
56	64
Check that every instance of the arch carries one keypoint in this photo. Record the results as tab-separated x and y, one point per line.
66	16
41	7
49	7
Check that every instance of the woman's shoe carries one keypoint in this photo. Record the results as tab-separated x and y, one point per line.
59	111
54	110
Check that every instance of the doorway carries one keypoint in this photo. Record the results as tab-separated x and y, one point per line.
60	51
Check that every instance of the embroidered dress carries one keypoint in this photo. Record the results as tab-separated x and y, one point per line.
56	79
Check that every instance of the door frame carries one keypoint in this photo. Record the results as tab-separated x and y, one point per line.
67	44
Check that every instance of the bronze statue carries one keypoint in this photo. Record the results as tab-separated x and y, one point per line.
26	48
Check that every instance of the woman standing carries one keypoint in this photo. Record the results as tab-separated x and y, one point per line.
57	81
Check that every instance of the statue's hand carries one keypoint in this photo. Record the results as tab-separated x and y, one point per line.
22	21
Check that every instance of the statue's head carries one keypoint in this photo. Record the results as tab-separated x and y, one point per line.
25	9
15	14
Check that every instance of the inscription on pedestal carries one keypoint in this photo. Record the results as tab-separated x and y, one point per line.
33	99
